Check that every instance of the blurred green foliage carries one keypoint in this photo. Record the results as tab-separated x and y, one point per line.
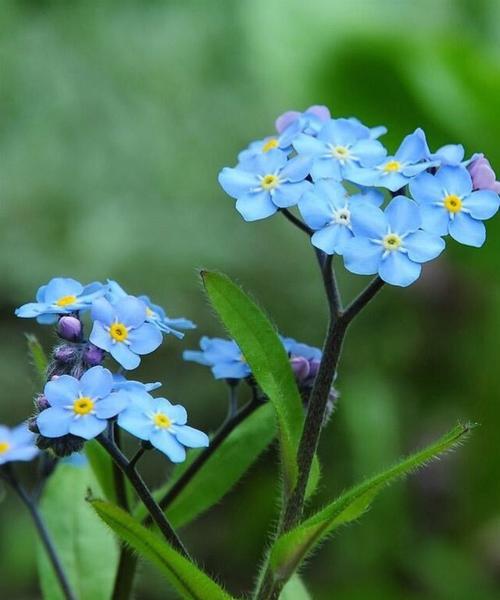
115	119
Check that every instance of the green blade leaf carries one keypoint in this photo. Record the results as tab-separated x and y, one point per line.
38	358
102	467
190	581
222	470
86	548
291	548
267	358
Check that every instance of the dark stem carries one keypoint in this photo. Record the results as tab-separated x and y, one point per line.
137	456
42	532
330	284
144	494
296	221
226	428
232	408
362	300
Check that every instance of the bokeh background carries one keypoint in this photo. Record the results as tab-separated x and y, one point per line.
115	118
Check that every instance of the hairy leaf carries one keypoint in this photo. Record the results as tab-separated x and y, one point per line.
86	548
190	581
102	467
291	548
38	358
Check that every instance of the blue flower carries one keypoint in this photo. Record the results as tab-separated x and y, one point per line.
390	243
310	121
340	147
263	146
224	357
162	424
394	172
448	205
16	443
327	210
128	385
121	330
265	183
60	296
81	407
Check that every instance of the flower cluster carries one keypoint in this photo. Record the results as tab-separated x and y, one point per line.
82	397
338	174
16	444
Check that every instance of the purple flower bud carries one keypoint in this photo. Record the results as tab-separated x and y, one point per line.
65	353
483	176
41	402
300	367
69	328
313	368
32	426
289	117
93	355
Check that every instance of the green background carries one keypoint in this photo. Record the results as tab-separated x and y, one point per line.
115	118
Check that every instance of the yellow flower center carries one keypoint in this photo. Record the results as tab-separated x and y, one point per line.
161	420
452	203
118	332
4	447
391	241
271	144
83	405
340	152
269	182
392	166
149	312
66	300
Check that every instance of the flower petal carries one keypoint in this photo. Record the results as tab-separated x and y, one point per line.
435	219
165	442
423	246
466	230
403	215
130	311
362	256
102	311
398	269
62	286
62	391
145	339
368	221
236	182
97	382
297	168
191	437
87	426
482	204
100	337
112	405
231	370
332	239
253	207
426	188
288	194
54	422
124	356
455	180
136	422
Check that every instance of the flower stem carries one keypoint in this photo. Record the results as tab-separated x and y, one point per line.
42	532
144	494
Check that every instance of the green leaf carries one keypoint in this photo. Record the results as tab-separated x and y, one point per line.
38	358
102	467
259	342
190	581
222	470
295	590
86	548
291	548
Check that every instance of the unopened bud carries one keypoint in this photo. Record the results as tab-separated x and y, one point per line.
41	402
65	353
300	367
69	328
93	355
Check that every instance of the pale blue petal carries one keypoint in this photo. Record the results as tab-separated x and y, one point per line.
455	180
130	311
482	204
102	311
411	171
393	181
100	337
269	162
136	422
177	414
332	239
435	219
466	230
315	209
165	442
21	435
423	246
97	382
413	148
62	286
362	256
195	356
451	154
305	144
24	453
124	356
369	195
54	422
236	182
369	221
403	215
47	319
398	269
253	207
87	426
62	391
369	152
426	188
297	168
343	132
145	339
112	405
191	437
30	310
288	194
233	370
326	168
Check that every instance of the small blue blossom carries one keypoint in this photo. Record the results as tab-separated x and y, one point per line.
224	357
128	385
263	146
390	243
81	407
162	424
394	172
61	296
155	314
310	122
121	330
266	183
327	210
341	147
16	443
448	204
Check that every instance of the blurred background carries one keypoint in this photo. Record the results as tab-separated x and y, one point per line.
115	118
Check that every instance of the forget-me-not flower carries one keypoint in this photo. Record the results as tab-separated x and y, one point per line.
266	183
17	443
224	357
394	172
81	407
162	424
327	210
390	242
121	330
340	146
61	296
129	385
448	204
